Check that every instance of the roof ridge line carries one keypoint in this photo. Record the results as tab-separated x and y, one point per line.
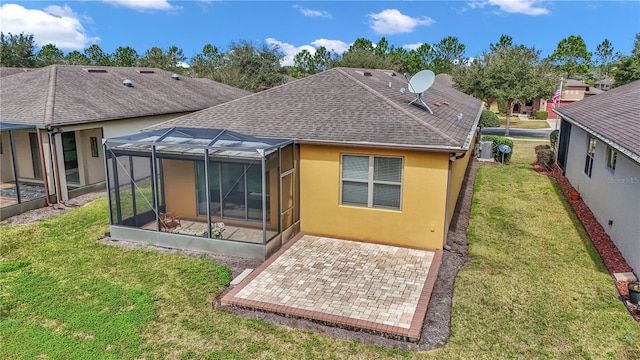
396	106
51	95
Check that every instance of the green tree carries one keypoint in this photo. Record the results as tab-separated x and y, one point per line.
49	55
604	54
571	56
207	62
76	58
17	50
448	53
488	119
363	54
252	67
421	58
306	64
509	75
627	69
505	42
126	56
170	60
96	56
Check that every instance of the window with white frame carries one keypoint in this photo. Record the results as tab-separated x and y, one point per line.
591	149
371	181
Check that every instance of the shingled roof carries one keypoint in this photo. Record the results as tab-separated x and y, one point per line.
72	94
349	106
611	116
6	71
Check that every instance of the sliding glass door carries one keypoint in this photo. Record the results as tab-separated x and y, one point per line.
235	190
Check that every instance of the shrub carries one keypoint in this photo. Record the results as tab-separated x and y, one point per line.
553	139
489	119
497	141
545	156
542	115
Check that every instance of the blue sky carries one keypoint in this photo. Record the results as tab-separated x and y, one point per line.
294	25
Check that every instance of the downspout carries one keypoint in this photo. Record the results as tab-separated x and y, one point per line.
48	119
56	167
44	167
445	236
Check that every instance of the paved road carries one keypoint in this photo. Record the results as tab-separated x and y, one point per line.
537	133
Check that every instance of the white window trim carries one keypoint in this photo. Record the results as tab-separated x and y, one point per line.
590	156
370	181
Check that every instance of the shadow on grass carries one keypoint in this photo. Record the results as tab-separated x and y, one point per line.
584	236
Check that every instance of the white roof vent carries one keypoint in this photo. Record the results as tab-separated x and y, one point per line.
175	77
127	83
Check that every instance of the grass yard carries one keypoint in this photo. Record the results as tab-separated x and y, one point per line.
535	288
515	123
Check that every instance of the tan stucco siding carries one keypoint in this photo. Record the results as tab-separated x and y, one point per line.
420	221
181	198
6	166
458	170
180	187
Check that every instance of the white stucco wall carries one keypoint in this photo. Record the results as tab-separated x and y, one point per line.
92	168
611	195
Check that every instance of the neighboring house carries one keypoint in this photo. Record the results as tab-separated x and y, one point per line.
572	91
346	153
53	119
604	84
599	152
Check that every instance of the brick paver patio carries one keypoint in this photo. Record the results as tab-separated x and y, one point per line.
346	283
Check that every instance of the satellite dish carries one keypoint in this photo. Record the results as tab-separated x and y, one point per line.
505	149
421	81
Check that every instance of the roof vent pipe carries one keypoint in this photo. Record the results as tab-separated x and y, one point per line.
127	83
175	77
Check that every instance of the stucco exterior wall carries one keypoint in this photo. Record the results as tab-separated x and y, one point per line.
420	221
458	170
611	195
181	197
6	165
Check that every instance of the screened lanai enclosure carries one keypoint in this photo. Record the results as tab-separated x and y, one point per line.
203	189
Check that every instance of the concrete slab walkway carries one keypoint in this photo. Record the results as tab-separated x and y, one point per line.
350	284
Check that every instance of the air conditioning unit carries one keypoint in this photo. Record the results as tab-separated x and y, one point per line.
485	150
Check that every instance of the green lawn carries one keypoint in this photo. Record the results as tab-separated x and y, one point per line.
534	288
515	123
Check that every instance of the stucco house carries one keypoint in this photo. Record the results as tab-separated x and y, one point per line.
347	153
599	152
53	119
573	90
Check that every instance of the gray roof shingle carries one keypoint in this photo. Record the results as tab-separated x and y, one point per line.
612	116
343	106
70	94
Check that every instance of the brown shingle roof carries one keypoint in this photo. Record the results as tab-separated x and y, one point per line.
6	71
344	106
68	94
611	116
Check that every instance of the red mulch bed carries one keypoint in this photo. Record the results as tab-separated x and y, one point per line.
611	256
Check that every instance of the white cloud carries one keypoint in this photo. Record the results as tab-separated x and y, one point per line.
142	4
392	21
290	51
411	46
527	7
312	13
57	25
335	46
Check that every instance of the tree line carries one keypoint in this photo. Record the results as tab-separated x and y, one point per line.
506	72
